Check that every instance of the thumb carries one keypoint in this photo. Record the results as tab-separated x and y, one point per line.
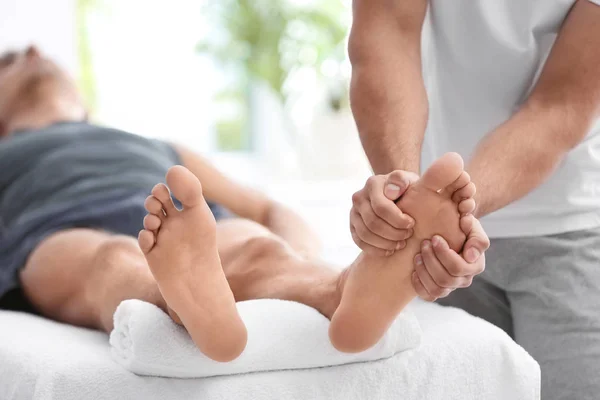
395	185
392	191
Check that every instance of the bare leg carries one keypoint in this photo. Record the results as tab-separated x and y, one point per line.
183	252
80	276
376	289
259	264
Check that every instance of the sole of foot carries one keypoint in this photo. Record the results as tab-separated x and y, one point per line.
376	289
181	249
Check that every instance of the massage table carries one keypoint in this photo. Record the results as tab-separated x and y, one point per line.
460	357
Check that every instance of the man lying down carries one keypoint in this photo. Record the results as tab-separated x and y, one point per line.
85	223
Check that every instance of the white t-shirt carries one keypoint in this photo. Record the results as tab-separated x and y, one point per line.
481	58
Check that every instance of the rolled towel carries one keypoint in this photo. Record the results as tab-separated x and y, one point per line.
281	335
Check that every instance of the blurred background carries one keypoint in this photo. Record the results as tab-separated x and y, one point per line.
258	86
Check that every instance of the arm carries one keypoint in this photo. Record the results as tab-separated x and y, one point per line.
524	151
387	92
251	204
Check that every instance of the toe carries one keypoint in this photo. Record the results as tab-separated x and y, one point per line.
463	180
152	222
161	192
146	241
466	206
443	172
465	193
185	186
154	206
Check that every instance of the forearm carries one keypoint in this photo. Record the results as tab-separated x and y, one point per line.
391	123
521	154
387	92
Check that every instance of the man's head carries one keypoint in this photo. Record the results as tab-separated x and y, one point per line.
35	92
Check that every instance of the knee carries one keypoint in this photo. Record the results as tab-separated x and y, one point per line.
117	251
265	247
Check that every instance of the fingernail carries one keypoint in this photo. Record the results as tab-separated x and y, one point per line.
418	260
398	246
435	240
472	255
392	191
426	244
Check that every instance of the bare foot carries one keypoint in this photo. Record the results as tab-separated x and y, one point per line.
375	289
181	250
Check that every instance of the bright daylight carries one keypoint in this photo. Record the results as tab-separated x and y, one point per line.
299	199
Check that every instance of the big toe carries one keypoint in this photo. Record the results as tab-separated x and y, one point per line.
185	186
443	172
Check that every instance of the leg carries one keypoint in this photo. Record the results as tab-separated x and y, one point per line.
192	262
259	264
376	289
553	284
80	276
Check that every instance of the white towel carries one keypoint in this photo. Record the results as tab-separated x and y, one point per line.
282	335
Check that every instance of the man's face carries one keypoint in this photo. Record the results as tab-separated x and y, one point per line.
28	79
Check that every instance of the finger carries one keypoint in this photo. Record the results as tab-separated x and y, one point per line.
383	207
428	283
397	182
369	237
420	289
440	275
465	193
453	263
390	213
468	281
367	248
445	293
477	240
378	226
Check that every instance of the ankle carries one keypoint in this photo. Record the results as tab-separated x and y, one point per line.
329	293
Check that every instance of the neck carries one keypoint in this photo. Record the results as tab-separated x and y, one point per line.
43	115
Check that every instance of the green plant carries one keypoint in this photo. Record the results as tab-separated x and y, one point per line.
268	41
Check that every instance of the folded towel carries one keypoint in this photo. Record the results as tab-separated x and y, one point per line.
282	335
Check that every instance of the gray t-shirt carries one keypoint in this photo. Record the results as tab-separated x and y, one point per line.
71	163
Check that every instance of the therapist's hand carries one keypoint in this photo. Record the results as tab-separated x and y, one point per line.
439	269
377	225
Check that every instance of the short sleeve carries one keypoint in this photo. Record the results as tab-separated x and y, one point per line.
169	149
595	2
